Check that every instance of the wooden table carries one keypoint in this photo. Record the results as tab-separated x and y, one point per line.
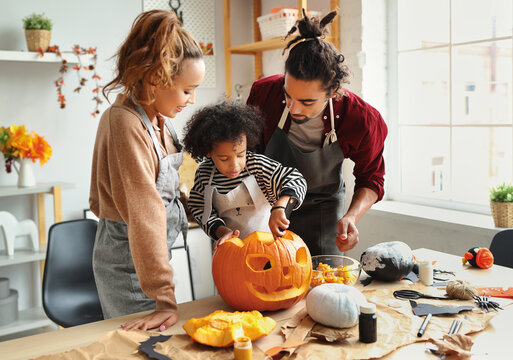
495	340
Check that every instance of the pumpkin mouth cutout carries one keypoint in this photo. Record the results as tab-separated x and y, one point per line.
281	293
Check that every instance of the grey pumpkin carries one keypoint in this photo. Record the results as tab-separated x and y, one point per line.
388	261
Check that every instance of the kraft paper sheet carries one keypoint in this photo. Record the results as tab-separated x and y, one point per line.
121	345
397	326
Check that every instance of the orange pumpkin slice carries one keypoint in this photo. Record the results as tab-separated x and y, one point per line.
221	328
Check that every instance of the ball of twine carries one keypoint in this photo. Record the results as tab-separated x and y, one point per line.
459	289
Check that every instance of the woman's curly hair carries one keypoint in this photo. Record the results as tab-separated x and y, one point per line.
313	58
153	53
221	122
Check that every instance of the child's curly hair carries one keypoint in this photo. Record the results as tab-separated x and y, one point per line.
225	121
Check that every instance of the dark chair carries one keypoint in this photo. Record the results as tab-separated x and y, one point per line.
502	248
69	292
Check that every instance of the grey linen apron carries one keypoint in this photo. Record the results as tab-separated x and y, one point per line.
244	208
118	286
316	220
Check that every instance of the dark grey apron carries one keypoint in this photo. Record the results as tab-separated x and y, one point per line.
118	286
316	220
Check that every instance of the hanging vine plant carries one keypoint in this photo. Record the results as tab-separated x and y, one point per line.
79	67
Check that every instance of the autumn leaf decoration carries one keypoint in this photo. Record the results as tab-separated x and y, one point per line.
79	67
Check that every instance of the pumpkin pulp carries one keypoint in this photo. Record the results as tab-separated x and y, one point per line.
221	328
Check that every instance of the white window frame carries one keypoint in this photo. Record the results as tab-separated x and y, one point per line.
393	163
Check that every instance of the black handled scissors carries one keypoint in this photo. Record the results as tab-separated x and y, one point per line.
412	294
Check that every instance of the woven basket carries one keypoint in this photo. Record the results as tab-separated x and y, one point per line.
279	23
502	213
38	39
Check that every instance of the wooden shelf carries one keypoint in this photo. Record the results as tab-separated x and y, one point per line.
39	188
32	56
28	319
32	318
259	46
22	256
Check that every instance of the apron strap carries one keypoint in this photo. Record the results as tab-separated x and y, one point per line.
254	190
207	198
283	118
331	137
149	127
173	134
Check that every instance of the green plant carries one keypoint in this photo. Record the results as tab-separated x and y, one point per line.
37	22
502	193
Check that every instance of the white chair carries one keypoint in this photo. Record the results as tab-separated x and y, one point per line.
12	228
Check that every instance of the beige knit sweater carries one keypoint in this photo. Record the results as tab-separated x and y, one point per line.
124	173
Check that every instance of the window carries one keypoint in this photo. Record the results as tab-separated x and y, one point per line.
450	97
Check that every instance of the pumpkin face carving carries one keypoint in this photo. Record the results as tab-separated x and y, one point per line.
260	273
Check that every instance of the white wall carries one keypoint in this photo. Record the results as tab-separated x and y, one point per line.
28	95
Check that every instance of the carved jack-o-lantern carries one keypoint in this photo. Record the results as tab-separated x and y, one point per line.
260	273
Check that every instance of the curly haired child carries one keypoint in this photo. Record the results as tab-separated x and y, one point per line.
236	191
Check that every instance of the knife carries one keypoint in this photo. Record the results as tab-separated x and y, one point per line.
291	204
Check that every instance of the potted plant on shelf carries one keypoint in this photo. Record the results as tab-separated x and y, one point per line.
501	204
37	31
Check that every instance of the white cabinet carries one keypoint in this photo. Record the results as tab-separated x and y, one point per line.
24	268
193	271
23	272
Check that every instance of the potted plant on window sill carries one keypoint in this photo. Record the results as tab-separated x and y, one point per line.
37	31
501	204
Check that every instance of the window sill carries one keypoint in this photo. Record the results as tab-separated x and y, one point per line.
434	216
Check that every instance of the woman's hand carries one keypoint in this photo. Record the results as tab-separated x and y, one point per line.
158	319
278	222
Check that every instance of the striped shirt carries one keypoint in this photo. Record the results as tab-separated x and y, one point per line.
274	179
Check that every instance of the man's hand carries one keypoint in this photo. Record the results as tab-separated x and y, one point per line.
347	236
158	319
278	220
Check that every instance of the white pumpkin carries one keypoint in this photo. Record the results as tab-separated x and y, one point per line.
335	305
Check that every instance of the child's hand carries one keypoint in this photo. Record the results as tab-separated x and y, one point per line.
278	221
227	236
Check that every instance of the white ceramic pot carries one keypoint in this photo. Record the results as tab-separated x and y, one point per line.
26	173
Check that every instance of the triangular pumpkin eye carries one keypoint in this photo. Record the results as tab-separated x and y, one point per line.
259	262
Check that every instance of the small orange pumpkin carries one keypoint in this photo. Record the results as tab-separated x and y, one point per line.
221	328
260	273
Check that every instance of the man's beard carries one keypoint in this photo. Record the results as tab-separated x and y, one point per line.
304	120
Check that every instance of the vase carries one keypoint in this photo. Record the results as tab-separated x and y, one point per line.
26	173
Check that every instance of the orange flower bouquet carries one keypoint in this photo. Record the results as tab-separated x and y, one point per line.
16	144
